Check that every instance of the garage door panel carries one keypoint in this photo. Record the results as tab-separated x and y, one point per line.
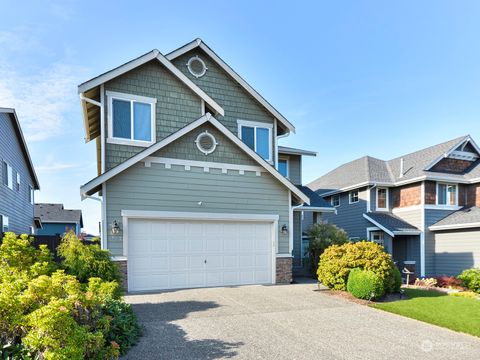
168	254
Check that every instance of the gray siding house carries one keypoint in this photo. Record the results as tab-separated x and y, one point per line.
422	207
195	189
18	180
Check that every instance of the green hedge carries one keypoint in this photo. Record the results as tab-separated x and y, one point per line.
365	284
471	279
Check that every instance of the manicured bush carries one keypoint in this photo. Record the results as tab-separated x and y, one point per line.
322	235
338	260
449	282
465	294
471	279
398	280
365	284
86	261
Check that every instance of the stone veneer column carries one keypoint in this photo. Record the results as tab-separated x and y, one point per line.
284	271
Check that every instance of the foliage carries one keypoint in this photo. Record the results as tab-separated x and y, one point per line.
471	279
449	282
46	313
397	280
124	329
455	313
322	235
86	261
338	260
465	294
426	282
365	284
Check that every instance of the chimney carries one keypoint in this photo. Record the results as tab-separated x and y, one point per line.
401	167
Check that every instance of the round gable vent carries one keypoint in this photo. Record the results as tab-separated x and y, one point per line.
196	66
206	142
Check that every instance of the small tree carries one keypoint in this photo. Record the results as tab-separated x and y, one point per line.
322	235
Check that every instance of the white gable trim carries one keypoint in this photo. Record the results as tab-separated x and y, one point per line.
379	225
447	154
454	226
199	43
159	145
154	54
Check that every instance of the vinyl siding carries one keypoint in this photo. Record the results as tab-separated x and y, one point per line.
297	238
159	189
295	169
13	203
176	106
431	217
350	216
456	250
57	228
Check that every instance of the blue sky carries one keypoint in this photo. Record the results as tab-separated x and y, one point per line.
355	77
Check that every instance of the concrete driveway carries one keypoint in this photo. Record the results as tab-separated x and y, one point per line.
283	322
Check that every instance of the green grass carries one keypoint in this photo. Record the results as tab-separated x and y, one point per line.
455	313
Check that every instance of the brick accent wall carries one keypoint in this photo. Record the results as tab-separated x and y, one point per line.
122	264
455	166
407	195
284	271
430	192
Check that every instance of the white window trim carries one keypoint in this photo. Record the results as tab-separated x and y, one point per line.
31	194
331	200
5	220
350	197
132	98
9	175
255	125
386	199
287	159
18	182
436	194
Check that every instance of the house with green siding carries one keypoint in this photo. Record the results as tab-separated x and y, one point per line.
195	189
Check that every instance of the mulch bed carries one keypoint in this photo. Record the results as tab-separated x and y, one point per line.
347	296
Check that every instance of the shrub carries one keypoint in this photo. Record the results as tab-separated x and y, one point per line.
449	282
86	261
365	284
465	294
338	260
426	282
398	280
321	236
471	279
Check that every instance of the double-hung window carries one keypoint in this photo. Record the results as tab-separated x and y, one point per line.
447	194
3	223
382	198
353	197
7	174
131	119
257	136
335	200
31	194
283	167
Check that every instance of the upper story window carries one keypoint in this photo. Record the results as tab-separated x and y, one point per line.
447	194
283	167
257	136
382	198
31	194
7	174
131	119
335	200
353	197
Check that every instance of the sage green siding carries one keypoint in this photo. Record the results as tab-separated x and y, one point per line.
156	188
176	107
295	169
297	238
457	250
225	152
236	102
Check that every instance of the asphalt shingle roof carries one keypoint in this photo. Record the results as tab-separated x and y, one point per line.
391	222
55	212
460	217
373	170
315	199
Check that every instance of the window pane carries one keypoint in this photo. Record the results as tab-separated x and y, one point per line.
263	143
282	167
442	194
142	122
382	198
4	173
248	136
452	194
121	119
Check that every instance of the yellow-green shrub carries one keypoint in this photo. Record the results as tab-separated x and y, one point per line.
337	261
365	284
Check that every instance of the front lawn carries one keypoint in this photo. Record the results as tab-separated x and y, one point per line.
455	313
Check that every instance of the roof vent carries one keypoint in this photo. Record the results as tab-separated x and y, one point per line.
402	164
206	142
196	66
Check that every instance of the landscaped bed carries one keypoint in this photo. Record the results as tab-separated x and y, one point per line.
438	308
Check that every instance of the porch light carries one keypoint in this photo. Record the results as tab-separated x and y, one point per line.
284	229
115	227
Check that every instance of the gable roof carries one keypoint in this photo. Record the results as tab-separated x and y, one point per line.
368	170
317	203
23	144
294	151
391	224
94	185
56	213
91	128
198	43
460	219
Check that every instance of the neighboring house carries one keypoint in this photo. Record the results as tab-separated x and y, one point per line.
56	220
423	206
187	159
18	180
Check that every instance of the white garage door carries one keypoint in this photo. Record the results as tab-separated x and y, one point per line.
169	254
